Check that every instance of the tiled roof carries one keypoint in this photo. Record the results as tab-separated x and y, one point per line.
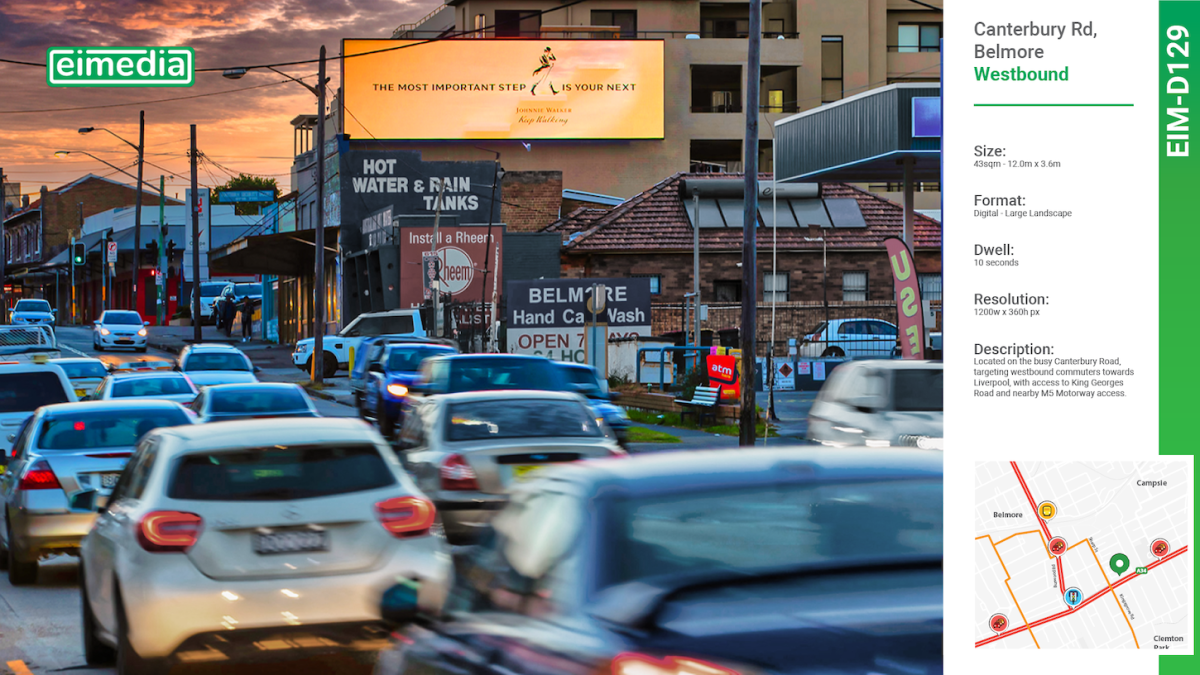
657	220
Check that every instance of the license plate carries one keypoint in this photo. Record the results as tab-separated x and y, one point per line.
525	472
109	480
292	541
124	341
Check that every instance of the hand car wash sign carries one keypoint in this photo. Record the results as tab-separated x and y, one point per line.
547	317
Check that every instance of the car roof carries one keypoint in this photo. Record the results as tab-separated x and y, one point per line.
269	432
114	404
418	342
76	359
894	364
507	395
26	367
390	312
247	386
134	374
480	357
213	347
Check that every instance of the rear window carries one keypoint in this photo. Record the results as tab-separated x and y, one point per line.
25	392
585	378
918	390
250	401
83	369
521	418
408	359
484	374
280	474
105	429
151	386
217	361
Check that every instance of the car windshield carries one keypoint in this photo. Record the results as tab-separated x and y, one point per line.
408	359
151	386
211	290
105	429
520	418
78	369
254	400
216	361
740	530
280	473
26	392
32	306
483	374
585	381
121	319
242	290
918	389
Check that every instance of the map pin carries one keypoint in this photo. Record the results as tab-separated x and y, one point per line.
1119	563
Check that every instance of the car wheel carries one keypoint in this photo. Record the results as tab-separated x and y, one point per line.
99	347
331	365
20	572
834	352
129	662
386	428
95	652
3	557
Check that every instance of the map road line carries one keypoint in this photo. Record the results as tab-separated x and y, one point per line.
1007	578
1115	598
1032	504
1014	535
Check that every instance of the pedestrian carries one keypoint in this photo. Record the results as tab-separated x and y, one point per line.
247	319
228	311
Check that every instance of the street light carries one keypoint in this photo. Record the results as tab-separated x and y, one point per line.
137	214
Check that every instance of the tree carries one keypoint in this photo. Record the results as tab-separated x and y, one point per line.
247	182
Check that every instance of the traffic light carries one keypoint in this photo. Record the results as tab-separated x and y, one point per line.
152	249
170	250
77	253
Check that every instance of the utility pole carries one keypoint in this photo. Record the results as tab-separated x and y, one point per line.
137	218
3	257
74	317
749	332
160	279
318	356
195	244
437	279
487	251
696	268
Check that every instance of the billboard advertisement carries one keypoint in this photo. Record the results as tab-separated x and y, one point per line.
503	89
460	254
908	300
546	317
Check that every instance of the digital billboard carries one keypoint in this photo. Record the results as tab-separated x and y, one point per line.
503	89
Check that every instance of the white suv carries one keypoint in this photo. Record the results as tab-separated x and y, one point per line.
339	348
218	539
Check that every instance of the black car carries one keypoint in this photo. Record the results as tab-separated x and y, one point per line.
790	560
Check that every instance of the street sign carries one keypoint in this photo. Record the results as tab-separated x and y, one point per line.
430	266
234	196
112	252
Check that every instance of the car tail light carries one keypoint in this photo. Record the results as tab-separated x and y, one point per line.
640	664
169	531
39	477
406	516
397	390
457	474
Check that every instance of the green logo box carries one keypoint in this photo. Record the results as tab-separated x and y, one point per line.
120	66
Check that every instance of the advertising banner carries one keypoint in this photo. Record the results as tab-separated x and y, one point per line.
460	254
908	300
503	89
725	371
547	317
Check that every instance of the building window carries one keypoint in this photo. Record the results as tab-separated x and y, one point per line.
655	285
854	286
775	287
831	68
480	25
716	89
919	37
512	23
775	101
931	286
625	19
774	29
727	291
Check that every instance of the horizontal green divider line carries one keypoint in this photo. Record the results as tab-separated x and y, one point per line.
1053	105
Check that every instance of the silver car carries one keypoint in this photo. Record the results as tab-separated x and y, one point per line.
228	402
164	385
880	404
61	450
32	310
465	450
85	373
119	328
222	538
207	364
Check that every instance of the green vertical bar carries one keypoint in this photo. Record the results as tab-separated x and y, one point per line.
1178	241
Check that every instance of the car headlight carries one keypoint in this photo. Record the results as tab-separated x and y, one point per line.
105	331
142	332
397	390
301	348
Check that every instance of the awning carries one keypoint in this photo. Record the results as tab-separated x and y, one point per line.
285	254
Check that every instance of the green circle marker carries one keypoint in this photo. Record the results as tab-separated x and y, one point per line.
1119	563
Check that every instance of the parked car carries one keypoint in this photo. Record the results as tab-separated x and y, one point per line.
25	387
389	377
226	402
485	372
208	363
370	351
221	536
29	343
119	328
209	292
339	349
85	373
791	560
465	450
60	450
32	310
880	403
586	381
852	338
161	385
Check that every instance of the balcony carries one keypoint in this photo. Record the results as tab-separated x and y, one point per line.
908	64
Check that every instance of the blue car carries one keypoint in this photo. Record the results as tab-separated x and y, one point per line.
388	378
586	380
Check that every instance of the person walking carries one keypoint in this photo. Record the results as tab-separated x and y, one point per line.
228	311
247	319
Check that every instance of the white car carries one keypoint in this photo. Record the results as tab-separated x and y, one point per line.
85	373
206	364
880	404
25	387
160	385
339	349
119	328
209	292
851	338
33	311
220	538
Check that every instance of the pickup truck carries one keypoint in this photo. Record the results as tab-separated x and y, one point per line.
340	349
27	378
28	343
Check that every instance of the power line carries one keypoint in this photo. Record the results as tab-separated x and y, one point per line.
160	100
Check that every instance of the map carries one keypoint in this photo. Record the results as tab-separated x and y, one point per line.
1084	555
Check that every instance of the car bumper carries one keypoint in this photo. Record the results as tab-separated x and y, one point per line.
300	359
43	533
170	604
123	340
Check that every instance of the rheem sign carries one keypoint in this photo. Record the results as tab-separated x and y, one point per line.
548	317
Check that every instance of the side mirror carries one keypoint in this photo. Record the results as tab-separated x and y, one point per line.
96	322
419	388
257	369
399	603
614	395
375	367
89	500
145	323
866	403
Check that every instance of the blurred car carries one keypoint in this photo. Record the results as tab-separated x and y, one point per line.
340	349
222	537
209	292
748	561
208	363
586	381
28	343
489	372
25	387
225	402
84	373
142	364
165	386
466	450
119	328
33	311
853	338
61	450
370	350
389	377
880	403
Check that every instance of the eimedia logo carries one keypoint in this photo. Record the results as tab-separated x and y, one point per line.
120	66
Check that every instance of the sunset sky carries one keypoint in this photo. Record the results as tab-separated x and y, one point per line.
247	131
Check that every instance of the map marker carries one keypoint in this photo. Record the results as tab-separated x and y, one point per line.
1057	546
1119	563
1160	547
998	623
1073	597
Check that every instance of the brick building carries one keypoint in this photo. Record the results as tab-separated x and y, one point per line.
651	236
